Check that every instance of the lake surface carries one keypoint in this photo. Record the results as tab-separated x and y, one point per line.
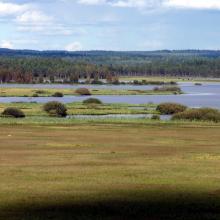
122	116
207	95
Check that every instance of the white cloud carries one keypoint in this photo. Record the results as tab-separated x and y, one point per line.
131	3
33	17
75	46
143	4
193	4
91	2
7	9
6	44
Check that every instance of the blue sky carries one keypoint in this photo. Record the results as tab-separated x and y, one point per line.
110	24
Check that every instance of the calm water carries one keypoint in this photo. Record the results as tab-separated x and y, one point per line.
126	116
207	95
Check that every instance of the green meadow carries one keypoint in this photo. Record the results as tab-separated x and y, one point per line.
29	92
109	171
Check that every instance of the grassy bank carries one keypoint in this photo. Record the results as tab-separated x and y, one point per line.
36	109
28	92
109	171
169	79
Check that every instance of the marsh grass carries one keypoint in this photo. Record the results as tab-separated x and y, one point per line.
29	92
35	109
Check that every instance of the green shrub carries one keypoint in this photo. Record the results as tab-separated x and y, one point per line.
35	95
203	114
40	92
155	117
55	109
92	101
58	94
170	108
174	89
198	84
97	82
83	91
13	112
136	82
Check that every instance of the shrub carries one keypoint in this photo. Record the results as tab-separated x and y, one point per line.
170	108
203	114
155	117
116	82
174	89
198	84
97	82
13	112
35	95
55	109
92	101
58	94
83	91
40	92
136	82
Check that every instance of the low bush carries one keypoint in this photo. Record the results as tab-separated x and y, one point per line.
97	82
35	95
40	92
155	117
198	84
83	91
174	89
55	109
203	114
13	112
136	82
92	101
170	108
58	94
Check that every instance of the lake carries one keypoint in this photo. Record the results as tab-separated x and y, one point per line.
207	95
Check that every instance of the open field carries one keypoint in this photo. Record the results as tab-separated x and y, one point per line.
29	92
106	171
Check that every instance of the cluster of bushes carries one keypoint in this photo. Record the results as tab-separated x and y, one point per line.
58	94
155	117
198	84
13	112
203	114
145	82
92	101
83	91
55	109
170	108
97	82
174	89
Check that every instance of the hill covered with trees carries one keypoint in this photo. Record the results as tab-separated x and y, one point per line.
28	66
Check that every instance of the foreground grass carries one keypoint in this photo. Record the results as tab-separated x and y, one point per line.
106	171
28	92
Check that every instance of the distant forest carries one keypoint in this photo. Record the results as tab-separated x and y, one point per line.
26	66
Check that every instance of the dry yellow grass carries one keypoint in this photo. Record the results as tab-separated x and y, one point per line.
109	172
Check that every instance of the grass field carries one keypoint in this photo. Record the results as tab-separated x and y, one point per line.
75	108
29	92
109	171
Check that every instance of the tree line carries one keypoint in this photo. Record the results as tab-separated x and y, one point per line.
28	69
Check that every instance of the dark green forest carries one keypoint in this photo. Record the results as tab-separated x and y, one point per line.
26	66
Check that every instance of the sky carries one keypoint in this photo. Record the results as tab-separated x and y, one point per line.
122	25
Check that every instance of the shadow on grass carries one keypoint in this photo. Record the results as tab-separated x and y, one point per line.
148	206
